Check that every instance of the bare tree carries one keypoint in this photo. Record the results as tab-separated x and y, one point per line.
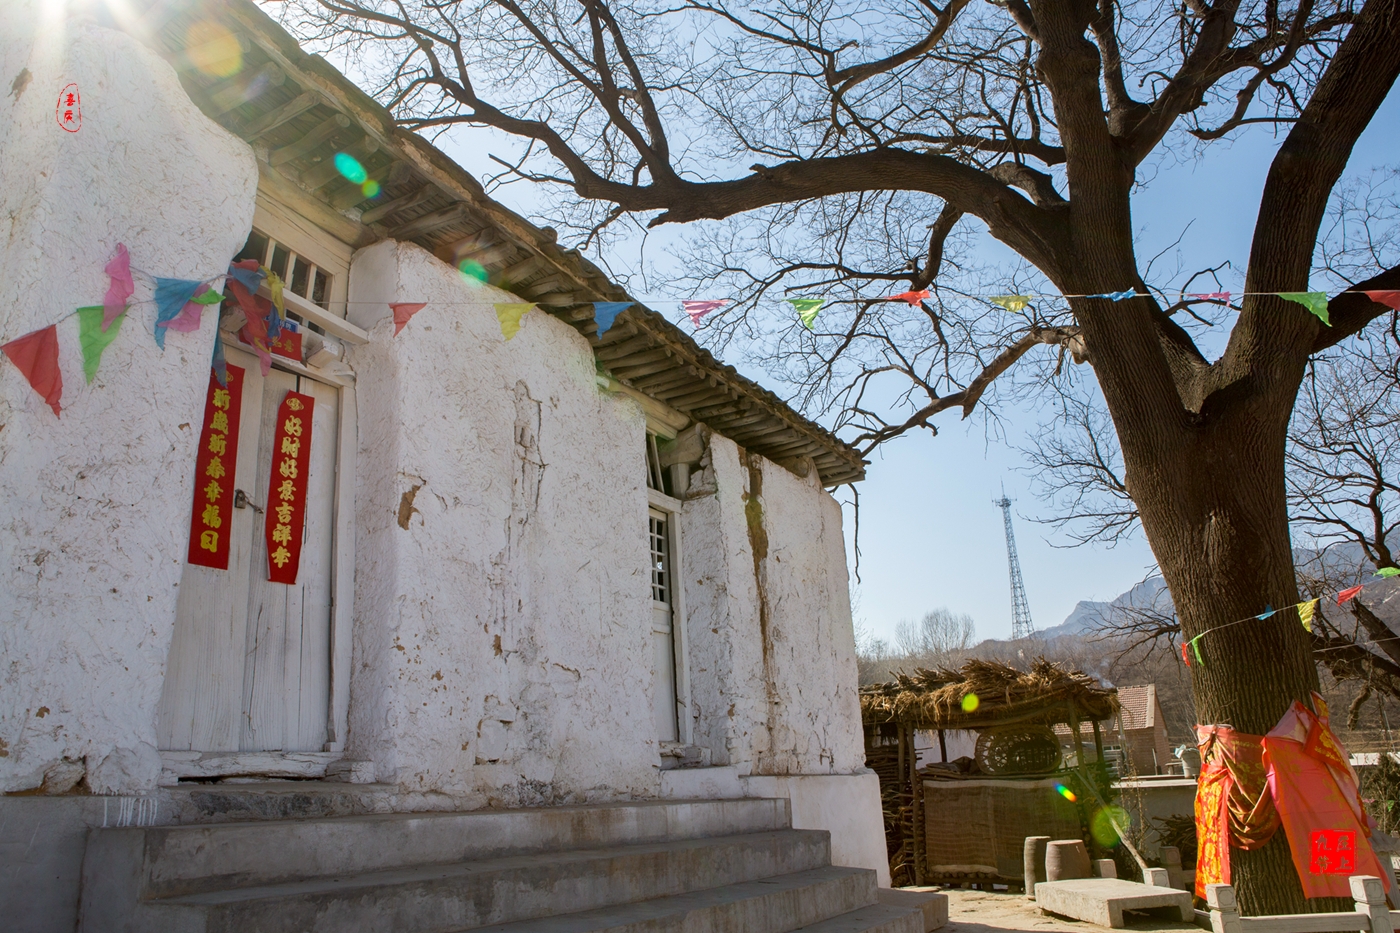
837	129
940	639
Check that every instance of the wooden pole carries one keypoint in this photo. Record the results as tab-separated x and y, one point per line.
1098	740
917	806
943	745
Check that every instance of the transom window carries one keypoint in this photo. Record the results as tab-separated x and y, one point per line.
660	559
301	276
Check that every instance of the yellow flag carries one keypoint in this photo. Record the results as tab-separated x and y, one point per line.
1306	611
1012	303
509	314
274	285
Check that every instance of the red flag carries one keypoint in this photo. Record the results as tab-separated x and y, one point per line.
1347	595
1185	658
912	297
36	355
403	310
1390	299
254	333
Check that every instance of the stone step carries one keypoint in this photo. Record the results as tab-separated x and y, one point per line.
772	905
877	918
176	860
445	898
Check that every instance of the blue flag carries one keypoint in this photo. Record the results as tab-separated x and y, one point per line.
605	312
171	297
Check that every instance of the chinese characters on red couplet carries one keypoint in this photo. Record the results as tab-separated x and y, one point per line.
214	474
286	496
1333	852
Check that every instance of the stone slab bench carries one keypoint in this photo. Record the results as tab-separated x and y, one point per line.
1103	900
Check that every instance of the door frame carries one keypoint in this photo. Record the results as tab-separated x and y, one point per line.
679	642
196	764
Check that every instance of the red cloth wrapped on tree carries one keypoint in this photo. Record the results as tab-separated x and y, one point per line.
1316	794
1233	805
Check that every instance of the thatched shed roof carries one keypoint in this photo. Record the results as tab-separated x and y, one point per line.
934	699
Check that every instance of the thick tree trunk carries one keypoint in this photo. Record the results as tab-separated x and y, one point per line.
1211	495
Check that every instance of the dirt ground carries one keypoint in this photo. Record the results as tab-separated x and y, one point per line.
991	912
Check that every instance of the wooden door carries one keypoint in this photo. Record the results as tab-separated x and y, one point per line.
249	665
662	617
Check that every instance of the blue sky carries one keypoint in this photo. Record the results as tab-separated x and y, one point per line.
929	534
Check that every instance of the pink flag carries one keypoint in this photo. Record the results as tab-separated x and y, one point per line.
120	288
403	310
698	309
1347	595
36	355
1211	296
1391	298
188	318
912	297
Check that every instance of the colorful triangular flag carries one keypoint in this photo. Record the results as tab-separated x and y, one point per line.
93	338
1348	594
1196	649
36	355
171	297
1316	302
403	310
1211	296
911	298
1306	611
605	313
120	287
698	309
1013	303
1388	572
1268	611
189	317
1388	297
509	314
807	309
1116	296
247	273
275	286
1185	658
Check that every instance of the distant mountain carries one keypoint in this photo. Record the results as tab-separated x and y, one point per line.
1343	561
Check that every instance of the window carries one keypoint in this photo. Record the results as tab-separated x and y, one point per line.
660	558
301	276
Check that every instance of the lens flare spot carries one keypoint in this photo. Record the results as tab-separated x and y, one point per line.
1102	825
472	271
350	167
213	49
370	188
970	702
1065	792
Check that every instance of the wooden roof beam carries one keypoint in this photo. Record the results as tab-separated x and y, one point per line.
326	171
433	220
616	351
275	118
380	211
310	141
240	89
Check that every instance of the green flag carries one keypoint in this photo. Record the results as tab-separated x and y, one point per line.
1316	302
509	314
807	309
93	338
1388	572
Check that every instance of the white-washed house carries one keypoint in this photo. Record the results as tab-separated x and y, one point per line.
558	570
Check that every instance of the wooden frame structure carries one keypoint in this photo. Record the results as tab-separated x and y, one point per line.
933	701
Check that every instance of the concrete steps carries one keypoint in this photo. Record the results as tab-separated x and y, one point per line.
697	866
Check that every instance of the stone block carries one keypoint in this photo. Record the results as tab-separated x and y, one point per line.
1103	900
932	902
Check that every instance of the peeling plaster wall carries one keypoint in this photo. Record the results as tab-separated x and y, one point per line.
94	506
503	614
772	651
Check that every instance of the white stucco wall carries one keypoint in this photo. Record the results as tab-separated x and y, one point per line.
94	506
502	639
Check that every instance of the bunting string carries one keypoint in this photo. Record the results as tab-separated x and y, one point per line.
1307	610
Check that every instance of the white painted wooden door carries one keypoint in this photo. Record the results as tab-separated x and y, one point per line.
662	617
249	665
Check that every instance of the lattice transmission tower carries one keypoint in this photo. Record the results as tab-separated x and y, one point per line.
1021	625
